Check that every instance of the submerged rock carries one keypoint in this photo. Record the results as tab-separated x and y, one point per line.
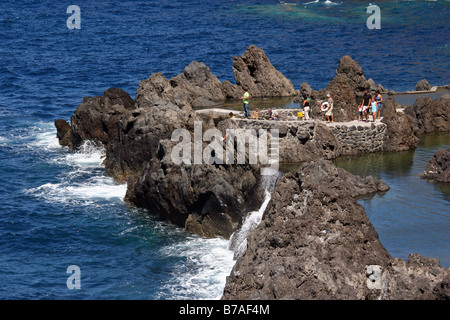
316	242
438	168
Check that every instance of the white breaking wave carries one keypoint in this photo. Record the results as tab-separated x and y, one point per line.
210	261
331	3
3	141
84	181
203	275
96	188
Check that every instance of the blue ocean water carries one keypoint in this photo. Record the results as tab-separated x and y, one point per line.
59	209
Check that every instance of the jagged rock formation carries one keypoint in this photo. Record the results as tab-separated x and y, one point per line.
353	73
206	199
346	89
316	242
428	115
211	199
196	85
344	97
400	134
438	168
254	72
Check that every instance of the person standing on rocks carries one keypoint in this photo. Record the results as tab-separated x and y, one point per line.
329	112
379	101
245	98
306	107
366	104
374	109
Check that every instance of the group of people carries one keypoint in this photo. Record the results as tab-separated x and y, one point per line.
370	105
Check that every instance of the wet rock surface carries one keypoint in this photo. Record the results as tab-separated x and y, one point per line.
438	168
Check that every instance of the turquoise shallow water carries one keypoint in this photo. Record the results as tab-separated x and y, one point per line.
59	209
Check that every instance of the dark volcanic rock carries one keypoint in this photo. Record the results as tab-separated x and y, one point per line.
423	85
254	72
316	141
96	117
207	199
346	89
138	135
305	90
344	97
438	168
400	134
428	115
63	133
354	74
196	86
316	242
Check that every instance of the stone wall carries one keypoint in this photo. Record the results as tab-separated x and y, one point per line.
357	139
295	135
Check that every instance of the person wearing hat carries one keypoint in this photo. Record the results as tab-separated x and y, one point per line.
329	112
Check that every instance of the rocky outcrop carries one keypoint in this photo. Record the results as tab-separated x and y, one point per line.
209	200
353	73
254	72
438	168
423	85
196	85
96	118
305	90
344	100
138	135
206	199
316	242
428	115
346	89
63	133
400	135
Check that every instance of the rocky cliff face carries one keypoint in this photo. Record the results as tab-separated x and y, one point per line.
316	242
137	135
400	133
428	115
